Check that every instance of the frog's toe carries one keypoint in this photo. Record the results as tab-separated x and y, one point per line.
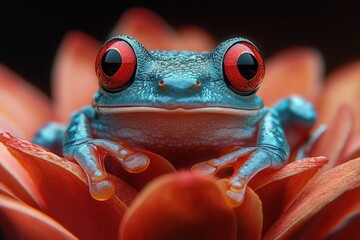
232	159
89	159
136	162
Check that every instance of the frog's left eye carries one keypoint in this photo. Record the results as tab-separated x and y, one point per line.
243	68
115	65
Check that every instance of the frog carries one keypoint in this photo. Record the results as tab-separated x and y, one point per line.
186	106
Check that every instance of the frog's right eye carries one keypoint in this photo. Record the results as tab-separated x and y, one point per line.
115	65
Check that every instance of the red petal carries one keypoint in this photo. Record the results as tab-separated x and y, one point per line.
293	71
342	86
332	143
333	217
278	189
348	231
63	186
16	178
180	206
249	217
23	222
74	78
22	105
155	33
319	193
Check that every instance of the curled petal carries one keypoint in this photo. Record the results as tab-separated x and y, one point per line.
293	71
74	78
22	105
180	206
326	188
24	222
342	87
278	189
63	185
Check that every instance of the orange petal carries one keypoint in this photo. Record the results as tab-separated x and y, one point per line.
249	217
293	71
333	217
158	166
16	178
323	190
352	149
332	142
22	105
146	26
63	186
155	33
194	38
20	221
180	206
74	78
279	188
342	86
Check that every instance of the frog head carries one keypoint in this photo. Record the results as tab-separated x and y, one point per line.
132	76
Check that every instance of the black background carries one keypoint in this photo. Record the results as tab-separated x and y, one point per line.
32	32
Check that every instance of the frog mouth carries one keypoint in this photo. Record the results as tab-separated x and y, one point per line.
176	110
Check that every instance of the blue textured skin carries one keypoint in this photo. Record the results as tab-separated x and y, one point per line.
180	135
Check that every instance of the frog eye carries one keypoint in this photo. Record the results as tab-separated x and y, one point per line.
115	65
243	68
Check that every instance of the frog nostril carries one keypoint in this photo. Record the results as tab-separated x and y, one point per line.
198	83
179	84
161	84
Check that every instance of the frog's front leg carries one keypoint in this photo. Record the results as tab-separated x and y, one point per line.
81	146
271	150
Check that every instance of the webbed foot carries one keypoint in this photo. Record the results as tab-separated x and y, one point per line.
90	155
246	163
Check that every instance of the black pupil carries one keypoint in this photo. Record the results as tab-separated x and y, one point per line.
247	65
111	62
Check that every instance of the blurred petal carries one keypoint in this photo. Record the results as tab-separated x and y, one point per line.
278	189
249	217
293	71
352	149
333	141
16	178
158	166
347	231
155	33
74	78
342	86
180	206
194	38
23	106
146	26
19	221
320	192
63	185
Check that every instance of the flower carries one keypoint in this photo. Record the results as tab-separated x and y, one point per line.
44	195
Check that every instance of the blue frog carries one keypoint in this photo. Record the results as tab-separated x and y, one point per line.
185	106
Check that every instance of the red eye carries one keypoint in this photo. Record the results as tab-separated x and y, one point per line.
115	65
243	68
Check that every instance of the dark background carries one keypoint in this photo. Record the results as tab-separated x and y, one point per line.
30	33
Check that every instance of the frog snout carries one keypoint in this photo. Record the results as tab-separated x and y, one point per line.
180	84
